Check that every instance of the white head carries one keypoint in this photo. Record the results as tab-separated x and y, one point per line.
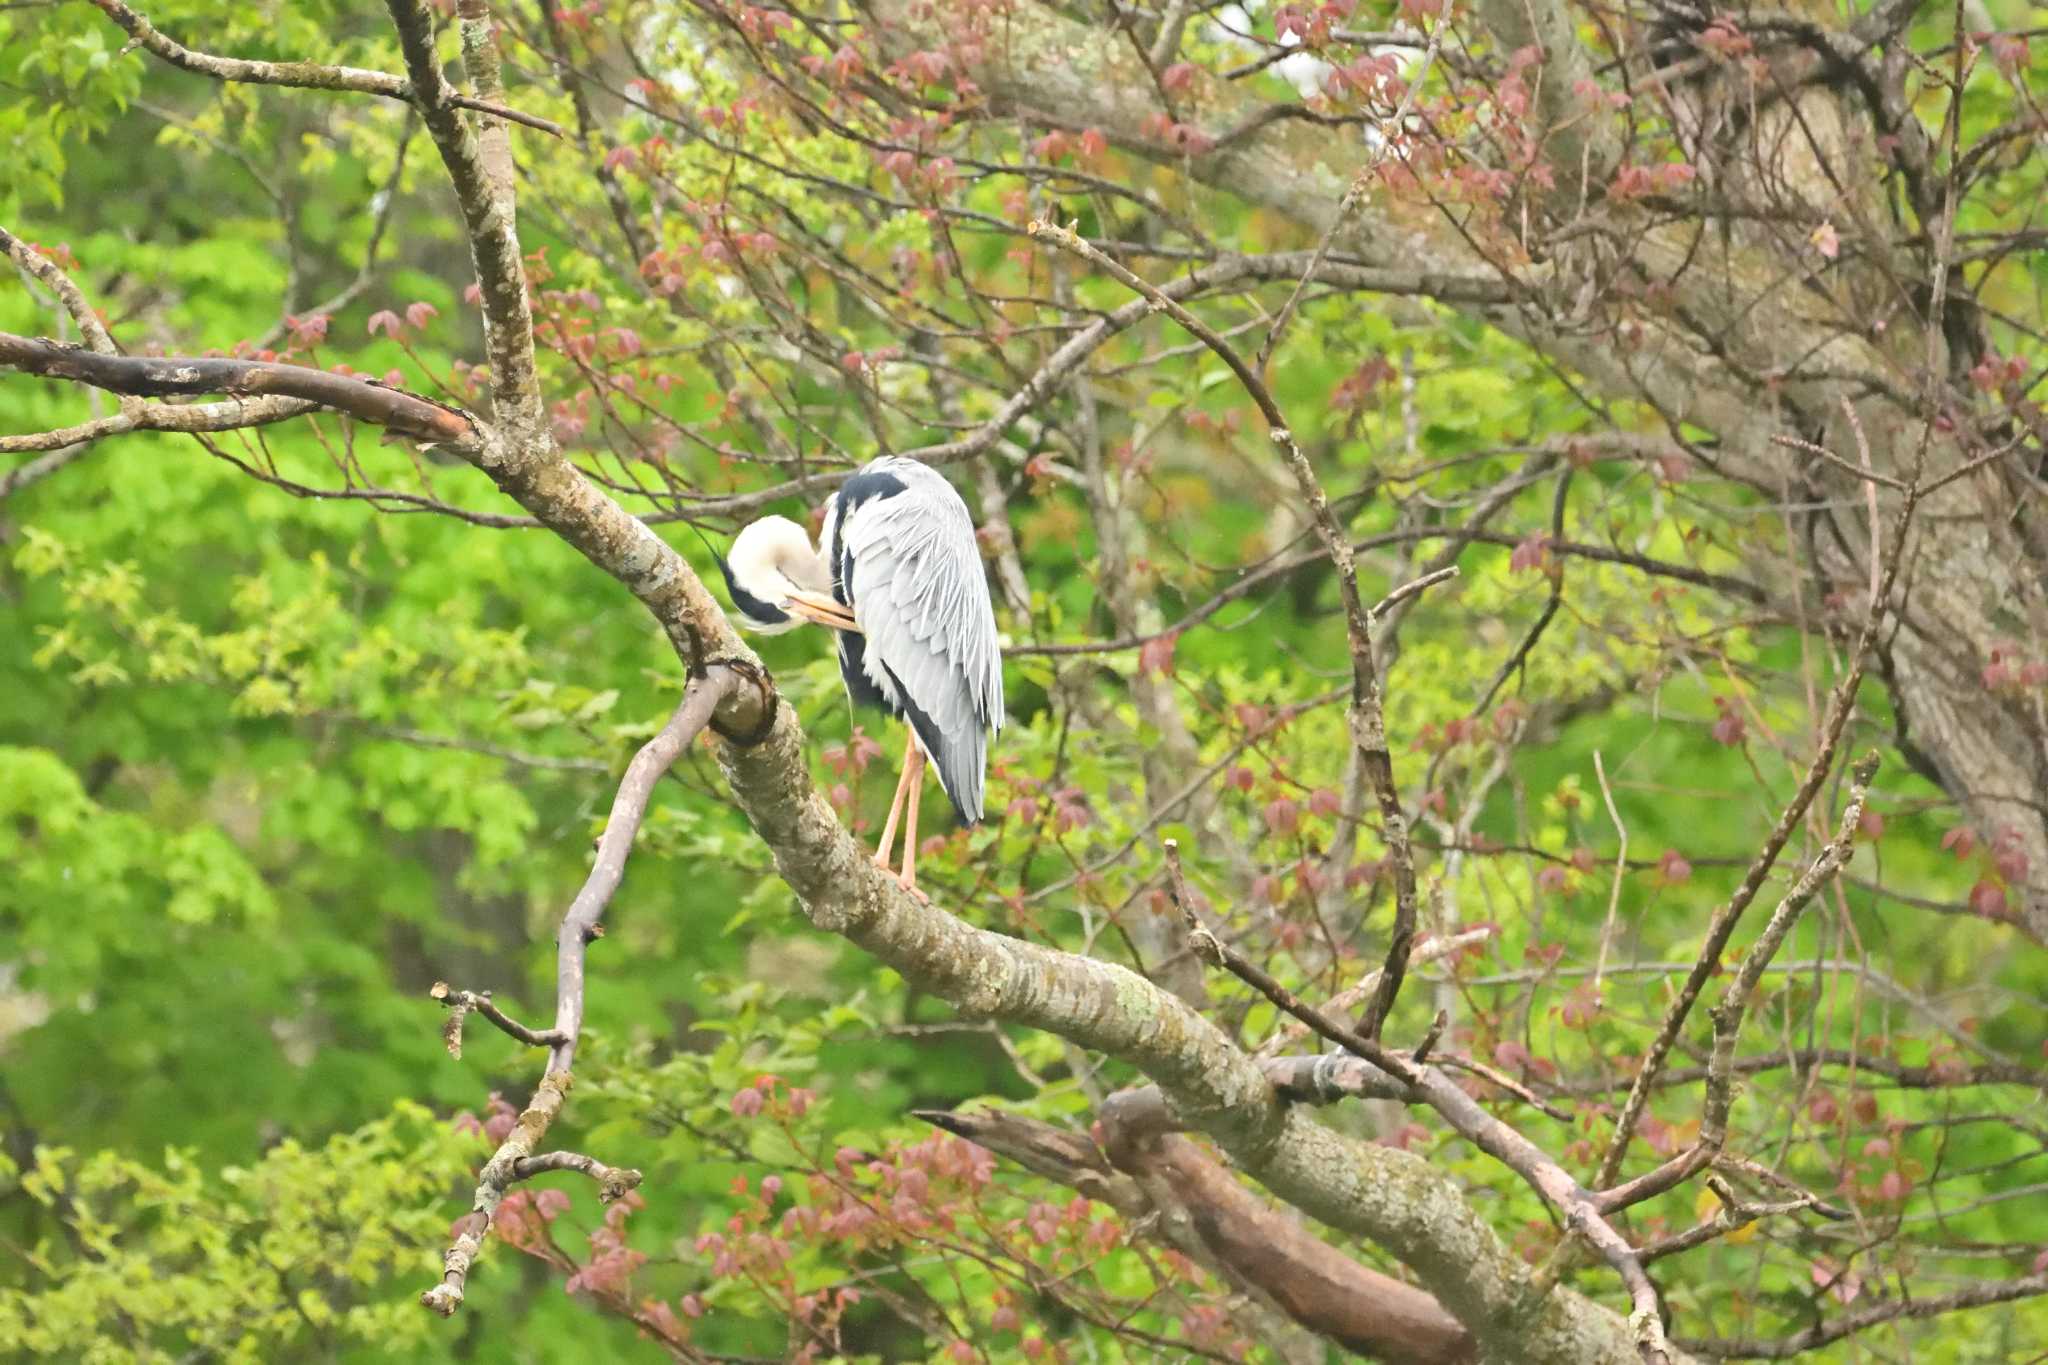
771	559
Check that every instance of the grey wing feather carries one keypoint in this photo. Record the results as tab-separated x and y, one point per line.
922	602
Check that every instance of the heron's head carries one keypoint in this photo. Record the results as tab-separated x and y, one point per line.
772	558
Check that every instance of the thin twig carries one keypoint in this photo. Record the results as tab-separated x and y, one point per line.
1414	587
1368	715
461	1003
1620	869
1734	1005
1841	702
1390	130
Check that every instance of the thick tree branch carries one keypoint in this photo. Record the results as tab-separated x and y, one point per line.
1153	1177
486	204
170	376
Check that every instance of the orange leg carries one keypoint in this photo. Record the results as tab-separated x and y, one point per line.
915	768
896	803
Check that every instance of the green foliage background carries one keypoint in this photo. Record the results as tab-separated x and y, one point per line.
270	765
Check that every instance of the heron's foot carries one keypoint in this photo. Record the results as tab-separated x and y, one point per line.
881	860
909	884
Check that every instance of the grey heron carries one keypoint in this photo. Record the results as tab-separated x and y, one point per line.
898	578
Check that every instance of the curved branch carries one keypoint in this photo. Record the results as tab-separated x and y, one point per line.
518	1157
170	376
1978	1295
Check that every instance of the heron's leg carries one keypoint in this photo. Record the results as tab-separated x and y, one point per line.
915	767
896	803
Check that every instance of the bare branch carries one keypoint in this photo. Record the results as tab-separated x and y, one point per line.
1414	587
518	1156
304	75
35	471
152	377
1163	1182
460	1003
68	293
1977	1295
613	1182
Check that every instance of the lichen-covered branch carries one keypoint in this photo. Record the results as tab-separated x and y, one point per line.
487	216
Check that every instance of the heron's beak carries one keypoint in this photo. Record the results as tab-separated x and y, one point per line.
821	610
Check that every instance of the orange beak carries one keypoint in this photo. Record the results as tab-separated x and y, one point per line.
821	610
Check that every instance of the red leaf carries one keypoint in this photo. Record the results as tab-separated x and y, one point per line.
1156	654
1844	1285
1529	553
386	322
1987	898
1282	816
309	330
1177	77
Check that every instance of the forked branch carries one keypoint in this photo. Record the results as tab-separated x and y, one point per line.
519	1156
